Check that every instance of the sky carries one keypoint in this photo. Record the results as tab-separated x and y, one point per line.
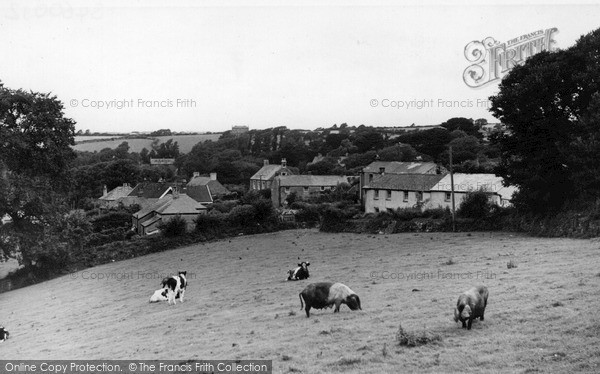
123	66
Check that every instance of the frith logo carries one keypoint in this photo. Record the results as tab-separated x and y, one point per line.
491	60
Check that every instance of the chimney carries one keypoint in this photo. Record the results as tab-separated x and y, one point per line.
175	192
196	174
213	176
265	162
283	163
104	190
125	184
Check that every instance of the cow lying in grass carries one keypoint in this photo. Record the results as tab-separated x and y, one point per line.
299	273
471	304
326	294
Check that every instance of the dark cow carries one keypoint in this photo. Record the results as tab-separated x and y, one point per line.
471	304
3	334
326	294
299	273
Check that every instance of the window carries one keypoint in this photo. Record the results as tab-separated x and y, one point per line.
370	178
388	195
286	190
381	170
390	210
306	190
376	196
376	210
448	196
283	174
405	198
322	188
419	195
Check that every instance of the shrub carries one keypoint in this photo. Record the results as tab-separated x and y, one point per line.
210	223
176	226
333	220
476	205
241	215
415	339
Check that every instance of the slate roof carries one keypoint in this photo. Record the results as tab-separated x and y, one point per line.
311	180
182	204
117	193
215	187
404	182
201	194
267	172
397	167
151	190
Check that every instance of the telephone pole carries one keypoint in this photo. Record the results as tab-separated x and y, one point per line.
452	193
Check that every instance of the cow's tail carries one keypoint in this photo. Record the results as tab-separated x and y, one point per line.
301	303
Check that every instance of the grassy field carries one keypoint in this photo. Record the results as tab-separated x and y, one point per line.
186	143
542	315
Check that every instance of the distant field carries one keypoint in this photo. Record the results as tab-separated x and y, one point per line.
542	316
83	138
186	143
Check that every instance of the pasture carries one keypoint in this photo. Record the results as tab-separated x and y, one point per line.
185	142
542	315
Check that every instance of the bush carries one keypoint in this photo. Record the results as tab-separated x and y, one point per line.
415	339
241	215
476	205
333	220
210	223
176	226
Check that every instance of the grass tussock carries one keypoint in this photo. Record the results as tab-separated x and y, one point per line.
415	339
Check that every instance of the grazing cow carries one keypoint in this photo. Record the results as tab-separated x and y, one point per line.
471	304
299	273
326	294
175	287
3	334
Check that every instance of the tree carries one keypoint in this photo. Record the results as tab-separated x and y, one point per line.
549	106
464	124
35	152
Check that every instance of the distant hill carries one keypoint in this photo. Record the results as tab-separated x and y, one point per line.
186	142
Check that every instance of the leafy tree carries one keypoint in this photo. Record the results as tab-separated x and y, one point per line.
398	152
464	124
35	152
549	106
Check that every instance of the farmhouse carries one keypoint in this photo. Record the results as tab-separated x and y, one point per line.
147	220
112	198
304	186
440	194
378	168
263	179
392	191
215	187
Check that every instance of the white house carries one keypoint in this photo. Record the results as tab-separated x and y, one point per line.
441	193
392	191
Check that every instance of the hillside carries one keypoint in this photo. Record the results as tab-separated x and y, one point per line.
186	142
541	315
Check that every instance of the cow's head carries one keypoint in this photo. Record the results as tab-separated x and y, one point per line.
304	265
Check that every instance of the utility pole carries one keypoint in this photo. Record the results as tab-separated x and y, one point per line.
452	193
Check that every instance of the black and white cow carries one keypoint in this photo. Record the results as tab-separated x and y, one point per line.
299	273
172	288
3	334
326	294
